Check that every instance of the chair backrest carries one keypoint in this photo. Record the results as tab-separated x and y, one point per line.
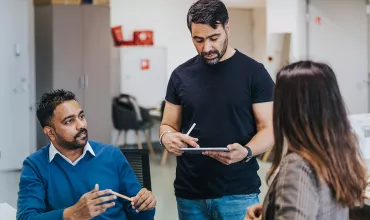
139	162
127	114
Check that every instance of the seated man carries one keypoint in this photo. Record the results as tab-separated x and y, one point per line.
62	180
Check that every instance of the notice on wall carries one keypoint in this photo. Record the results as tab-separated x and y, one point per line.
145	64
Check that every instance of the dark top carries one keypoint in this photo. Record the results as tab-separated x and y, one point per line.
219	100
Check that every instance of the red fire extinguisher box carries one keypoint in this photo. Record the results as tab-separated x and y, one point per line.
143	37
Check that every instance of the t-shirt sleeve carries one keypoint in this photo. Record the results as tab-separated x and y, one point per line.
172	94
262	86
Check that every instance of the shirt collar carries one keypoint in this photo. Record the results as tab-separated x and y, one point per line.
53	151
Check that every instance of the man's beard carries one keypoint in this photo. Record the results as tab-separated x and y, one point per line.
72	145
219	55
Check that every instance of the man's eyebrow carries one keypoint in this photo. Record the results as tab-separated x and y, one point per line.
68	117
202	38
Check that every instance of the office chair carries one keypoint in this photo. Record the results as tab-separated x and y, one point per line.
139	162
128	115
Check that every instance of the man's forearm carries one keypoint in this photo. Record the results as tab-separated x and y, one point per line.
262	141
164	128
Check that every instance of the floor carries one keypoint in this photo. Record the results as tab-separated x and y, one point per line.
162	184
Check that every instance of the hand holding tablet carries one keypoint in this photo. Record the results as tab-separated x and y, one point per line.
200	150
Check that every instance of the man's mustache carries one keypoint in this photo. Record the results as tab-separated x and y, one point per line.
210	53
82	130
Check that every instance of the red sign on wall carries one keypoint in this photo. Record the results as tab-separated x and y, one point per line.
145	64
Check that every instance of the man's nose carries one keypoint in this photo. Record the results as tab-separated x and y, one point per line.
80	124
207	47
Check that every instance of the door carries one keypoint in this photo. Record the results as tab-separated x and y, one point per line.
67	38
15	126
337	35
97	62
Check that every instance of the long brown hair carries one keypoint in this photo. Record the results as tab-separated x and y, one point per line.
310	115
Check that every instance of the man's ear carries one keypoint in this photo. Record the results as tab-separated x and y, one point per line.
49	131
227	28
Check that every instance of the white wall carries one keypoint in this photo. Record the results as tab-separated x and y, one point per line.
286	16
241	35
259	31
248	32
32	78
167	18
289	16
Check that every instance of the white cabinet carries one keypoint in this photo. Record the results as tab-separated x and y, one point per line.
144	74
15	85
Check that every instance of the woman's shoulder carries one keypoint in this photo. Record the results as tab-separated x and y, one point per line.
294	165
294	159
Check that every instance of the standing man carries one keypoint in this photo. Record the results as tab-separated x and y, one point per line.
230	97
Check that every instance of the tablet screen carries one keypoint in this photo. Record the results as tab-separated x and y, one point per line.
203	149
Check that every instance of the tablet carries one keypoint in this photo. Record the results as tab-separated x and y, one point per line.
203	149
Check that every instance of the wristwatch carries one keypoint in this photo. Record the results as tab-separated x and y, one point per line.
249	156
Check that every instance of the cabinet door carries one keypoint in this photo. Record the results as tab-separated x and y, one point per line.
67	41
15	109
147	85
97	61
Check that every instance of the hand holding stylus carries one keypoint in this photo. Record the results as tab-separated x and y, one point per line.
90	205
143	201
174	141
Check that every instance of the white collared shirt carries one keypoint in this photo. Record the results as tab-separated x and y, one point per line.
53	151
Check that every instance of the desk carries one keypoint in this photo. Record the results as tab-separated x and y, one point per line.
7	212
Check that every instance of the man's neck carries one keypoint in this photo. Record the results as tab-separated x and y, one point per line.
229	53
72	155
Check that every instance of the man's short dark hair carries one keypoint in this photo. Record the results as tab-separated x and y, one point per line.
49	101
211	12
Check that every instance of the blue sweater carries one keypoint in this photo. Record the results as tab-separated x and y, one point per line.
47	188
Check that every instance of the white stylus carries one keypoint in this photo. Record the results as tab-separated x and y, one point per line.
192	127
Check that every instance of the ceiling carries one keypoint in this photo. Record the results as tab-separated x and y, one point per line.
245	3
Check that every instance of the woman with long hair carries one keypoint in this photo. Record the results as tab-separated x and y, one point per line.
318	171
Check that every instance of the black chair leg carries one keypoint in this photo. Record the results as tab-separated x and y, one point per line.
124	138
139	144
149	143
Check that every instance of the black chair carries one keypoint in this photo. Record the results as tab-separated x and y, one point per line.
128	115
139	162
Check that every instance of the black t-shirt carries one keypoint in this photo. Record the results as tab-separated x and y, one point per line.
219	100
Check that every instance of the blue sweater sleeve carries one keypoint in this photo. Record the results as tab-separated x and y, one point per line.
130	186
31	196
